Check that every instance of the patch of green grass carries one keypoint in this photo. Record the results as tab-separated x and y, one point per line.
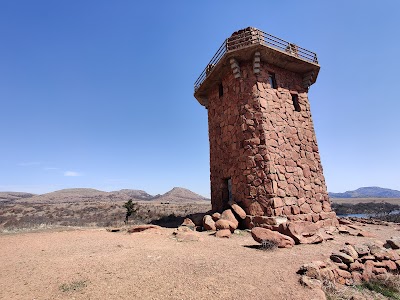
386	288
73	286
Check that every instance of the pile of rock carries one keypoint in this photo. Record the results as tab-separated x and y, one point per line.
276	228
355	263
372	221
224	223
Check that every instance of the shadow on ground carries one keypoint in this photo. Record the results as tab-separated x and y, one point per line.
170	221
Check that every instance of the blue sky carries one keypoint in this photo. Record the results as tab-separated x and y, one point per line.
100	93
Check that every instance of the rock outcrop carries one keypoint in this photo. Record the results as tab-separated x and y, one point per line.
261	234
355	263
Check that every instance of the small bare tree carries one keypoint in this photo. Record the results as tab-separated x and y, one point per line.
131	208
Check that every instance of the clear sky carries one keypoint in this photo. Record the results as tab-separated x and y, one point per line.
99	93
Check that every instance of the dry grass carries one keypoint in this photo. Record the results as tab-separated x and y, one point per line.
387	288
22	216
365	200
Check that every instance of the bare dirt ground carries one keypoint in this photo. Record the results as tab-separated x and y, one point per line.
96	264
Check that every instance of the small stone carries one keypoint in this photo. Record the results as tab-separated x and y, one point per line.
283	241
223	233
357	277
389	265
392	255
343	273
381	255
311	270
374	248
224	224
347	259
379	271
342	266
361	249
398	264
304	232
310	282
356	266
216	216
187	236
367	257
237	209
228	215
394	243
140	228
208	223
188	223
349	250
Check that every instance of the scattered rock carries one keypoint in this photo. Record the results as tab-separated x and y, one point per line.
225	224
283	241
184	229
189	223
311	270
374	248
357	277
189	236
365	234
228	215
140	228
304	232
113	229
379	271
343	273
367	257
341	257
223	233
356	266
344	221
349	250
310	282
208	223
361	249
394	243
389	265
342	266
197	218
216	216
237	209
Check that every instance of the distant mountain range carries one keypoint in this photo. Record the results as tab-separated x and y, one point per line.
368	192
175	195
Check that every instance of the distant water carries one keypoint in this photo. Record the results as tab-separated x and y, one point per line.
366	216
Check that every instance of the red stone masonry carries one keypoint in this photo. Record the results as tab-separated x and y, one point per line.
265	145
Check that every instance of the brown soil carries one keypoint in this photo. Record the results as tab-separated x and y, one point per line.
96	264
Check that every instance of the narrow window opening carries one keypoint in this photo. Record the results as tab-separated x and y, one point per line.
295	99
272	80
221	90
227	193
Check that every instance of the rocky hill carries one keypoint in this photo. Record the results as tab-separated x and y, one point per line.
368	192
92	195
178	194
11	196
133	194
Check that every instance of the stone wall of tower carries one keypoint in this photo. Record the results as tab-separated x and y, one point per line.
268	149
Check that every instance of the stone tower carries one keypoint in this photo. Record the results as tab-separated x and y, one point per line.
263	149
